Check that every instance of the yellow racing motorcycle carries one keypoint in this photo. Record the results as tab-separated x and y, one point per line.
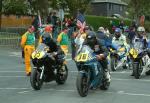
140	62
47	68
118	57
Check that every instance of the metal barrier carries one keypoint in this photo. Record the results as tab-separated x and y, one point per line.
11	40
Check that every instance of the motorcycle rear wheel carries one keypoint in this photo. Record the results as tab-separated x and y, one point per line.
35	80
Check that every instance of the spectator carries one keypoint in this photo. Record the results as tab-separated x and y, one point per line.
100	33
63	40
28	44
49	18
131	35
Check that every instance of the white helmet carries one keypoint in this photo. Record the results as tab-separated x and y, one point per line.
140	28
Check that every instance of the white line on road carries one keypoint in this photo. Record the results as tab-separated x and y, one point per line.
131	94
118	92
122	72
71	90
11	71
69	59
13	76
22	92
14	88
7	71
141	80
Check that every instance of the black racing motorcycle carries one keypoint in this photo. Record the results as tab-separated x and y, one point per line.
47	68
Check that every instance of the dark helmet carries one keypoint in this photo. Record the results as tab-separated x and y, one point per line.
46	38
117	32
91	38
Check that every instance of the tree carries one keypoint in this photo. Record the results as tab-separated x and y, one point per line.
75	5
18	7
1	13
137	8
40	5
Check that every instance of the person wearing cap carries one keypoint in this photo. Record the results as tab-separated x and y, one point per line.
47	32
101	33
28	44
63	41
102	36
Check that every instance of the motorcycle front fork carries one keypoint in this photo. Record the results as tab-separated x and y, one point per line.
42	72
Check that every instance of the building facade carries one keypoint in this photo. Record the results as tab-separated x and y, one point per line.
108	7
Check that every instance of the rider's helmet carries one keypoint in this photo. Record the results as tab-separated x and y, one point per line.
91	38
46	38
117	32
140	31
48	28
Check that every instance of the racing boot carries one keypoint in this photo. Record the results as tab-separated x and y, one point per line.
107	75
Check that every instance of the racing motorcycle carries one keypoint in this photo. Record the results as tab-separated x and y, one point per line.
140	62
47	68
90	72
118	57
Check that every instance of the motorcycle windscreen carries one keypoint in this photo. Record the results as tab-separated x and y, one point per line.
85	54
40	51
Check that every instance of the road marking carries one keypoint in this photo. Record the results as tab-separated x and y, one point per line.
16	54
62	90
117	79
11	71
14	88
13	76
69	59
141	80
130	94
71	90
22	92
122	72
118	92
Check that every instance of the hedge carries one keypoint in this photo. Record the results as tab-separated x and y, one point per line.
97	21
147	26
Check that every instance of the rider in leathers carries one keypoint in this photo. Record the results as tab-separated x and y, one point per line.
100	50
140	41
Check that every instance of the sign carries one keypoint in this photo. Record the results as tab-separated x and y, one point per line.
61	14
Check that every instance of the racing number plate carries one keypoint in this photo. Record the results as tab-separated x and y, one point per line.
82	57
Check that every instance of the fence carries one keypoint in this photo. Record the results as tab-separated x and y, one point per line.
9	40
10	37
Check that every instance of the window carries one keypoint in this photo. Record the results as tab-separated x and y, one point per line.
109	6
121	8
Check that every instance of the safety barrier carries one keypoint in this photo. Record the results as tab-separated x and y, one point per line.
11	40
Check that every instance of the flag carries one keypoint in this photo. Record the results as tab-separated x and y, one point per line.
81	21
40	22
142	20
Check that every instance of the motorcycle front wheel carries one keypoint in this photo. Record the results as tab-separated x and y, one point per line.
113	63
82	84
62	75
137	70
35	80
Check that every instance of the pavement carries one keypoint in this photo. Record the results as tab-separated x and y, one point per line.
15	85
